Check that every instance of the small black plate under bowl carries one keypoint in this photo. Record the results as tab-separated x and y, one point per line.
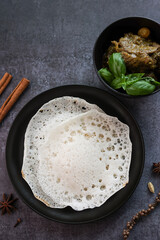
14	153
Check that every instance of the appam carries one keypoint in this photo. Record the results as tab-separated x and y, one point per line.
56	111
84	160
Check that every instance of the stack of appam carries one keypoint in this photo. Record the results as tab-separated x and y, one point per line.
75	154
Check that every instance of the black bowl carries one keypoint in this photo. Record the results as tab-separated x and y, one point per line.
114	32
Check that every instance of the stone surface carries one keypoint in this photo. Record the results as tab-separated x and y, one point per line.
51	43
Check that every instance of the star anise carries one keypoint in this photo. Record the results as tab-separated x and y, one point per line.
7	204
156	167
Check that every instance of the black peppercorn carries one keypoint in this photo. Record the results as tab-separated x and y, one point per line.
140	214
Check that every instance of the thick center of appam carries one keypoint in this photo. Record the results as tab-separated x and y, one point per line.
85	160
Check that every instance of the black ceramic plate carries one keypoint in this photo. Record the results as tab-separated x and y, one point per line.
14	153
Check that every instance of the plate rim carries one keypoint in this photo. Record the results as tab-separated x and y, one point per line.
122	106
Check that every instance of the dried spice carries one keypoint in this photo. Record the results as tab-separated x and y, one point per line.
140	214
151	187
19	220
7	204
13	97
156	167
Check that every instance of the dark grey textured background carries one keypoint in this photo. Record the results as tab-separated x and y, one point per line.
51	43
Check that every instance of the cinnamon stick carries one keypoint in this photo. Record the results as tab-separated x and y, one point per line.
13	97
5	81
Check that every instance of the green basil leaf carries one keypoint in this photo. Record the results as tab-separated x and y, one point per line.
140	88
135	75
156	82
118	82
132	78
151	80
129	81
117	65
106	75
